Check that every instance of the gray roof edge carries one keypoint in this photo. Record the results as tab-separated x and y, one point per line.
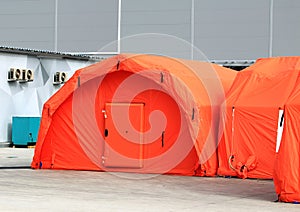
48	54
233	62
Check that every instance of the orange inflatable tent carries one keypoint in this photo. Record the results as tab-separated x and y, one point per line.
135	113
253	117
287	162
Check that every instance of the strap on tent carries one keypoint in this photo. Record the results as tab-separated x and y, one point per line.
118	64
161	77
193	114
163	139
78	81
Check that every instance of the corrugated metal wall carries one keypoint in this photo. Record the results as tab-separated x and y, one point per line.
223	30
58	25
27	23
87	25
232	29
286	39
160	17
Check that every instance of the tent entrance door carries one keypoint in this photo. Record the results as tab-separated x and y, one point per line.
124	126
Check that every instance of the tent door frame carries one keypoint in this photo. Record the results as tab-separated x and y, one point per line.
111	158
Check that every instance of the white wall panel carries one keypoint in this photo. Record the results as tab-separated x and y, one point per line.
27	99
6	109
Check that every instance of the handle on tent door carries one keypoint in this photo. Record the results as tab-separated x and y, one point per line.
106	132
162	138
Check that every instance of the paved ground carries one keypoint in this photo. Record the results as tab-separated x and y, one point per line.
23	189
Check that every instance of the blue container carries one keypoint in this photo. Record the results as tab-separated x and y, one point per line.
25	130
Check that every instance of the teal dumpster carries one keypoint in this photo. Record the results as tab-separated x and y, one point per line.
25	130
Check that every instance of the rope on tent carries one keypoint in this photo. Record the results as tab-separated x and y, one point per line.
242	169
231	157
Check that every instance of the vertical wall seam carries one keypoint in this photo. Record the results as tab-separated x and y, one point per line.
192	28
119	27
271	28
55	25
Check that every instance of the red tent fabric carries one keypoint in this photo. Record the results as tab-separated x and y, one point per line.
287	162
135	113
251	117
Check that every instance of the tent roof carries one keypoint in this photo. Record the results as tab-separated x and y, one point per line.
273	66
267	83
188	70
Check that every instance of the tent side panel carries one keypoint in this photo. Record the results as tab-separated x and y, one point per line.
67	152
256	96
48	110
43	132
225	146
227	122
253	142
287	164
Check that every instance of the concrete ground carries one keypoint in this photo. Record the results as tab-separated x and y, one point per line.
23	189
